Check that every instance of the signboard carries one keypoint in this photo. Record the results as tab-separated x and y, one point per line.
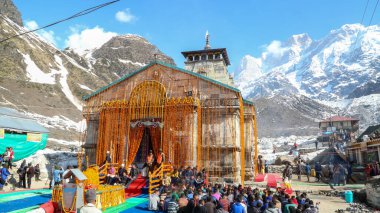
1	133
68	195
34	137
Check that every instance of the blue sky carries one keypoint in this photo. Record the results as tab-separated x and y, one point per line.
242	26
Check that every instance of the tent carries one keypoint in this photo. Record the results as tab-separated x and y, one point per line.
21	133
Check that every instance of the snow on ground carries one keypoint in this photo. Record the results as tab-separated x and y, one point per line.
340	104
65	87
131	62
311	155
57	121
35	74
47	158
85	87
64	142
266	145
4	88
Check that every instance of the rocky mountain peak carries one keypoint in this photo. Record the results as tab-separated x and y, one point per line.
7	8
300	40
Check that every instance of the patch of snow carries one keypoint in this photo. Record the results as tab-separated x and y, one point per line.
131	62
65	87
47	158
64	142
84	87
266	145
35	74
57	122
4	88
311	155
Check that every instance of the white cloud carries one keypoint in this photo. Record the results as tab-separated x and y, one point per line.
31	25
125	16
88	39
274	49
48	36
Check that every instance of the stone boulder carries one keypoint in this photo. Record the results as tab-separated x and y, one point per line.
281	160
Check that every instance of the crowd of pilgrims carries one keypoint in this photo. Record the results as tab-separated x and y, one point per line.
188	191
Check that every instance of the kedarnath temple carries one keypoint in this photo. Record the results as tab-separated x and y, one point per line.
195	115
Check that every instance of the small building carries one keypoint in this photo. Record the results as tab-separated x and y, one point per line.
338	128
20	132
366	149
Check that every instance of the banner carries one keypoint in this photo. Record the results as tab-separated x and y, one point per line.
1	133
34	137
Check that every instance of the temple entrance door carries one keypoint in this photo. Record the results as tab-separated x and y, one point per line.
145	146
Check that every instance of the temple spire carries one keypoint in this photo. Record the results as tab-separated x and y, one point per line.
207	41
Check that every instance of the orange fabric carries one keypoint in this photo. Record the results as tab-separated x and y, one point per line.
135	137
159	158
155	134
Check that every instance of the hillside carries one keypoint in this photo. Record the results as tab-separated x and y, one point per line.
47	83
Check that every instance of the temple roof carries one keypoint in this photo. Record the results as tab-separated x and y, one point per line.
221	50
86	97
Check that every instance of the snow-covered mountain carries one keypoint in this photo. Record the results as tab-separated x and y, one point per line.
342	67
326	69
47	83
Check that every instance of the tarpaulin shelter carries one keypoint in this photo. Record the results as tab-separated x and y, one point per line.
21	133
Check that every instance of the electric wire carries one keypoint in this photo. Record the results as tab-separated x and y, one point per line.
373	13
81	13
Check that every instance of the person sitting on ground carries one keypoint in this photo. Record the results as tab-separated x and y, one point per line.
110	178
134	172
166	180
271	208
198	205
314	208
124	178
90	203
237	207
257	208
154	200
210	206
290	207
174	176
182	202
224	202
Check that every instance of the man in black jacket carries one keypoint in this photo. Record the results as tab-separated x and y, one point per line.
30	174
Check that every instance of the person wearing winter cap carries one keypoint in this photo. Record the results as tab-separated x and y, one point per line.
91	201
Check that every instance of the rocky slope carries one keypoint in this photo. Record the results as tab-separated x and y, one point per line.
340	71
47	83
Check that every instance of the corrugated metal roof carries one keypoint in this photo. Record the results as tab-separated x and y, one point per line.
338	118
12	119
163	64
369	131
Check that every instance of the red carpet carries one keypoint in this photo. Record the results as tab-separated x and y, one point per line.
135	187
260	178
272	180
